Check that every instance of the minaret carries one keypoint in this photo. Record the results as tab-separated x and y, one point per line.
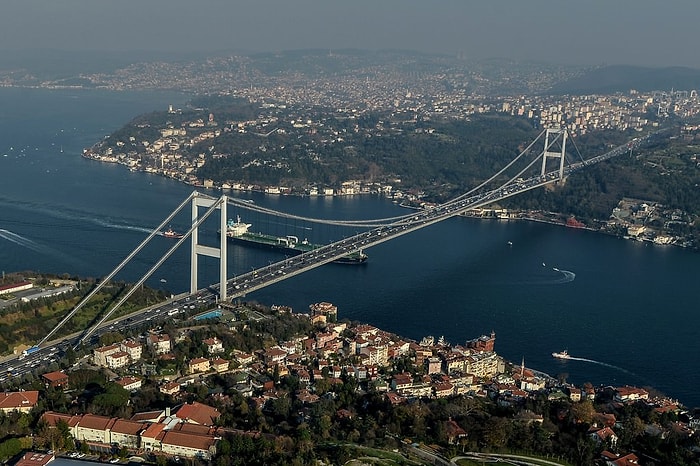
522	368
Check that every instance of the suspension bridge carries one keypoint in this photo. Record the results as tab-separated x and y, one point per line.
531	169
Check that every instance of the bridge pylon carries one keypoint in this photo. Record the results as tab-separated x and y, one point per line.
200	249
554	137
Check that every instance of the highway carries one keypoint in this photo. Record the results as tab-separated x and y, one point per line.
18	366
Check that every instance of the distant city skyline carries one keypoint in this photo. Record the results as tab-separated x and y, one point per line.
642	32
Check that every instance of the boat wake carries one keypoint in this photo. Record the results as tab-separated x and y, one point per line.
21	240
118	226
604	364
567	276
40	248
60	212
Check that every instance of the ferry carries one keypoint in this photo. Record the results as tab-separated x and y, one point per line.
562	355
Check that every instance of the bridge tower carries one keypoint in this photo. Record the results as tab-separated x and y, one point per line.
200	249
552	138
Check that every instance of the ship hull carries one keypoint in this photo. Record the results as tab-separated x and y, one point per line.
261	240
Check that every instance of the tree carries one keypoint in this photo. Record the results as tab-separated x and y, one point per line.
496	432
583	411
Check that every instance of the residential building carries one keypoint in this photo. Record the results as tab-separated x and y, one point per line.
160	343
132	348
170	388
219	365
117	359
129	383
198	365
214	345
629	394
57	379
99	356
18	401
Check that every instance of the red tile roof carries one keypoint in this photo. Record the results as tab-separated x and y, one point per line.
198	413
189	440
32	458
92	421
56	376
123	426
18	400
153	431
52	418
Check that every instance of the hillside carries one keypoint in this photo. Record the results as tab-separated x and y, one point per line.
622	78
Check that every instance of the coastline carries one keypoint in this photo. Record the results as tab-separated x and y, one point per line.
404	200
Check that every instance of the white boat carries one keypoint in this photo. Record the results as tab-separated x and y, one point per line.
562	355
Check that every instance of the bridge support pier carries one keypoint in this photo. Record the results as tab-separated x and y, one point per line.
199	249
556	135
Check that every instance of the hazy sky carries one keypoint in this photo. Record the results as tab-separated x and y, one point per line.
645	32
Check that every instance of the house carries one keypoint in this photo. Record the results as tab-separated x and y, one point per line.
574	394
132	348
160	343
244	358
99	357
613	459
274	355
117	359
219	365
401	382
18	401
602	435
630	394
170	388
454	432
126	433
214	345
443	390
434	365
129	383
198	365
57	379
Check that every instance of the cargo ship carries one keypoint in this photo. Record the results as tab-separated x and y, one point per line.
238	231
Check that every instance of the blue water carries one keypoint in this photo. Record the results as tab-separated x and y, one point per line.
628	307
